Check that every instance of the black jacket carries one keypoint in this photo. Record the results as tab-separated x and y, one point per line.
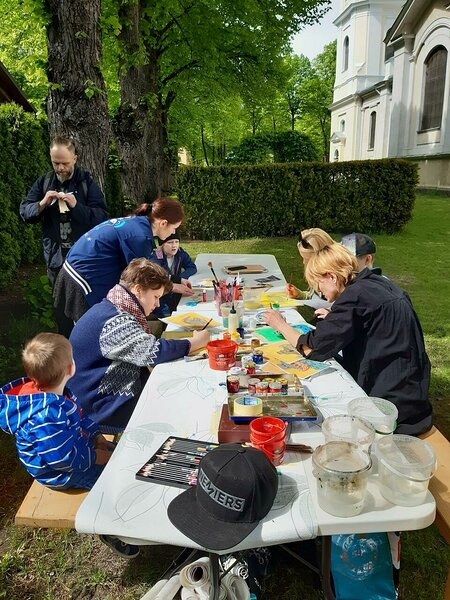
374	324
90	210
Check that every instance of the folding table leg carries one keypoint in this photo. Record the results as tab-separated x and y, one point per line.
326	568
215	583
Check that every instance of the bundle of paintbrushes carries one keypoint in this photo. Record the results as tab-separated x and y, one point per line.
227	290
175	463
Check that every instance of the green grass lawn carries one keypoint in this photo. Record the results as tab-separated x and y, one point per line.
50	565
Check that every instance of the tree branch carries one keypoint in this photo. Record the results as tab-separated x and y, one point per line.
174	74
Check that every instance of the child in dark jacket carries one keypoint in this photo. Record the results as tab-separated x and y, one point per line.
177	262
57	445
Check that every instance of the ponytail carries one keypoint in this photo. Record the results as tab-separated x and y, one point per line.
143	210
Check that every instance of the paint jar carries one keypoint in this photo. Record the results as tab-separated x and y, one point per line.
252	383
258	357
381	413
246	359
262	387
341	470
284	387
269	435
233	384
251	368
405	467
203	295
275	387
347	428
255	343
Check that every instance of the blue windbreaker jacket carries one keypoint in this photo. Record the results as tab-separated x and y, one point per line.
97	259
53	439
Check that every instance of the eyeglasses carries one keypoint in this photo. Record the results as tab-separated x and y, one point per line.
303	243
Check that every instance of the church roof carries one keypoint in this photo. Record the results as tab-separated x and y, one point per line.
10	91
407	18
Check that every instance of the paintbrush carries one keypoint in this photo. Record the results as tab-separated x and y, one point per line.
212	271
299	448
206	325
289	284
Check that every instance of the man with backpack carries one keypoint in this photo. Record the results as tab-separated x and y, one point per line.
67	202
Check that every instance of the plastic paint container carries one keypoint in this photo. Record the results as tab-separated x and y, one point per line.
346	428
405	467
269	435
341	470
381	413
222	354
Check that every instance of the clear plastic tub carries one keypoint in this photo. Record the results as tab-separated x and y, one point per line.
252	297
405	467
341	470
381	413
347	428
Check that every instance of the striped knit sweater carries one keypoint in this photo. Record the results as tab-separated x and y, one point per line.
53	439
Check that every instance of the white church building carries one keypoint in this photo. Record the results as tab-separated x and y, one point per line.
392	89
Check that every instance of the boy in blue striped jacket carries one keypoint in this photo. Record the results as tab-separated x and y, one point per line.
56	444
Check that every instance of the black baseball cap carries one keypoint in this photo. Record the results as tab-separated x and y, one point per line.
359	244
236	488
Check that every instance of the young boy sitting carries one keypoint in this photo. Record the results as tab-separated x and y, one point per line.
177	262
363	247
57	445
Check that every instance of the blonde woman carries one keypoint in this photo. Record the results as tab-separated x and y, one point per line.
373	324
309	242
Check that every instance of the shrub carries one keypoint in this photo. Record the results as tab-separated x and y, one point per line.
271	200
23	157
38	294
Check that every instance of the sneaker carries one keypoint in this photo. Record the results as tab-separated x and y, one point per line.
121	548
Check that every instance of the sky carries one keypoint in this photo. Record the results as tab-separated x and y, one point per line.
311	40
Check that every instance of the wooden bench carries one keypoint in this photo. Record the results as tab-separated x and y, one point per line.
440	487
47	508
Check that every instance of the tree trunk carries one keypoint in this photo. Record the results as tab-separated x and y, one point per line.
141	124
77	104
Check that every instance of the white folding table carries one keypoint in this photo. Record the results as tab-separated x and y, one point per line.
185	399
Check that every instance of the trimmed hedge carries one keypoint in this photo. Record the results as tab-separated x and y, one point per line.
23	157
230	202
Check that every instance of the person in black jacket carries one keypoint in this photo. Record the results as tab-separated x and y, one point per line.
373	324
67	202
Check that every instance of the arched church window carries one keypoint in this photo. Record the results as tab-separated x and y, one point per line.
433	99
342	125
372	129
345	48
336	155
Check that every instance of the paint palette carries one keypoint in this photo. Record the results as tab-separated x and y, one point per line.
175	463
293	407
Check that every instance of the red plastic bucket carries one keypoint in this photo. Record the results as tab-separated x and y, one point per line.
269	435
222	354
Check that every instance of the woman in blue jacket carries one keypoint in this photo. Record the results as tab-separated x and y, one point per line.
95	262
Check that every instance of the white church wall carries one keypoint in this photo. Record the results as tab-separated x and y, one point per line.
434	31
